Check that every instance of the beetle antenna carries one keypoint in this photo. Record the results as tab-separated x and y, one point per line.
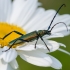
58	23
55	15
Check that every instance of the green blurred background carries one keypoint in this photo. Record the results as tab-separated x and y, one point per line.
64	58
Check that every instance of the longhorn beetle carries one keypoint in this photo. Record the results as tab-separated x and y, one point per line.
35	35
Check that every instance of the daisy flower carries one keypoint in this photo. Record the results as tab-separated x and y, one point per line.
25	16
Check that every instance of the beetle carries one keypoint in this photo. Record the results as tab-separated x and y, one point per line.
35	35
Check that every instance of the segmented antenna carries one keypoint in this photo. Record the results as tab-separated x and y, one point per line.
55	15
58	23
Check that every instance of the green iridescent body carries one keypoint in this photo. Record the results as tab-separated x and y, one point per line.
30	37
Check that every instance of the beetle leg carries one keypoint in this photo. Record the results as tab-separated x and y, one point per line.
14	44
39	36
12	32
36	42
44	43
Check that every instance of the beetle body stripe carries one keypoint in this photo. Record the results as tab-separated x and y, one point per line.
30	36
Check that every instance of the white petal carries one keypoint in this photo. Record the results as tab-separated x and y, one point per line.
56	63
4	66
53	35
60	29
64	51
9	67
64	31
62	45
5	6
58	32
36	58
31	47
52	45
9	55
26	10
61	18
41	22
26	48
14	64
39	12
9	11
17	8
1	53
30	13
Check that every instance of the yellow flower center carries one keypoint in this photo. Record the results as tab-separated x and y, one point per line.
5	29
